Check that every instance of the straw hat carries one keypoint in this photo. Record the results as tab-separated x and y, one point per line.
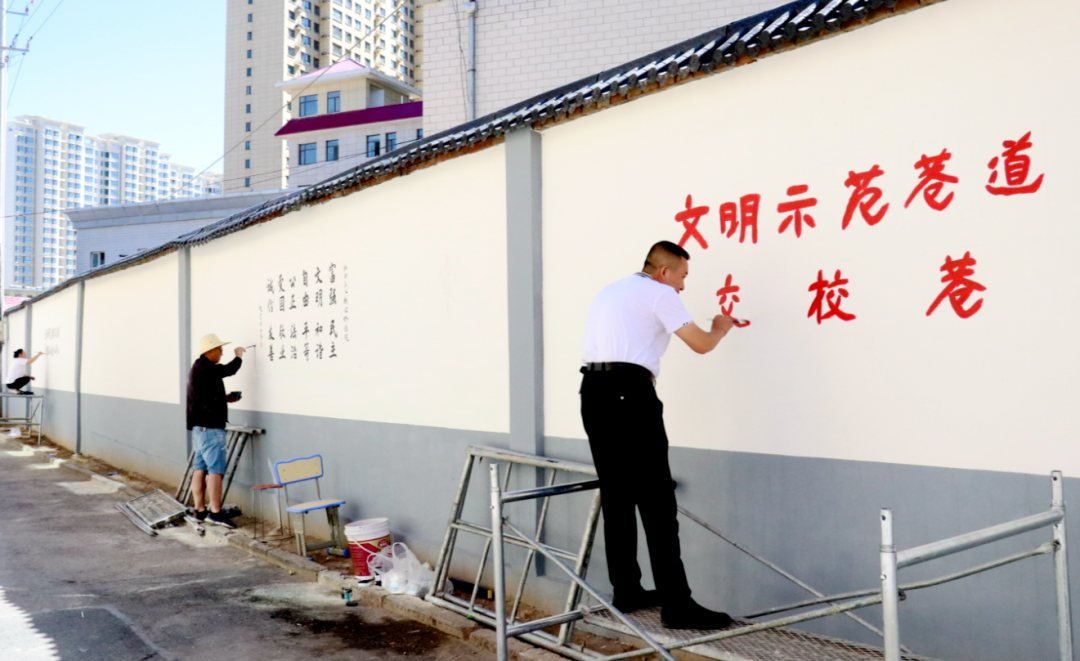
209	342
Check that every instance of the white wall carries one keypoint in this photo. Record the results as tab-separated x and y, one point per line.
995	391
427	318
53	331
130	333
16	339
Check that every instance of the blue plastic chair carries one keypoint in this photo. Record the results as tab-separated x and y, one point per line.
305	469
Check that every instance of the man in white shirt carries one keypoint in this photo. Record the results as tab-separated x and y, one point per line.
17	376
628	329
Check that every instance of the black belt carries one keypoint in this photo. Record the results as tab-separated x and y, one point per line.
614	367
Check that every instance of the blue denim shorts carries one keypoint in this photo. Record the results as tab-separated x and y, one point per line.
209	447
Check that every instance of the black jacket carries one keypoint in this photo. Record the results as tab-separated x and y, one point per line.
206	405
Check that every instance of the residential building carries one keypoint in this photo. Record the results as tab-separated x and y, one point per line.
54	166
347	113
275	40
526	48
110	233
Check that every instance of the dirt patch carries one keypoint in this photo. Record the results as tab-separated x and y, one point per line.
401	637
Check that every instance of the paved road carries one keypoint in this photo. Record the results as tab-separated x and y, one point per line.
79	582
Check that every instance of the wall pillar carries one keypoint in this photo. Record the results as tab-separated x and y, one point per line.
525	290
184	298
79	307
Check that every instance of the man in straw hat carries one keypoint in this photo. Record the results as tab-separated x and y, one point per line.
207	413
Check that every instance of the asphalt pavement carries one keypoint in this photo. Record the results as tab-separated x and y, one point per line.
79	582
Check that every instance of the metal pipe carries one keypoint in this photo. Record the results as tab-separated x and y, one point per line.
754	628
497	559
597	596
531	555
545	492
1043	549
890	592
573	597
542	623
1061	571
511	539
487	548
442	566
470	9
970	540
531	460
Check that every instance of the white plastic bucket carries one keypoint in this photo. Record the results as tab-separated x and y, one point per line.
366	537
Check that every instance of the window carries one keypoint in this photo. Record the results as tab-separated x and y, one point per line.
247	145
391	141
247	163
306	22
247	182
333	102
292	52
247	126
249	54
307	153
292	33
249	18
316	63
97	259
249	108
249	36
292	70
292	16
337	32
337	15
249	72
309	105
249	90
331	150
419	133
305	58
372	145
306	40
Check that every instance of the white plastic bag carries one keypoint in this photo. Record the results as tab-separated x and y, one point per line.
400	572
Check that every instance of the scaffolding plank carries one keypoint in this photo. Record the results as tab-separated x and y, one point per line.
783	644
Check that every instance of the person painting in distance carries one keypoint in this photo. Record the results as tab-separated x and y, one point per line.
628	329
17	376
207	414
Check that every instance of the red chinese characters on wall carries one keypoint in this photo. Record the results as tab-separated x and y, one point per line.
959	286
932	181
728	295
1017	169
740	218
864	197
830	295
690	218
795	209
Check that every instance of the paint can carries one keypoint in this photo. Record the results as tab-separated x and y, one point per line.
366	537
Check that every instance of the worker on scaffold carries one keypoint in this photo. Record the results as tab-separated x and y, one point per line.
629	326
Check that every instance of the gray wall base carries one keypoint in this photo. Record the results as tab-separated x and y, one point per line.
60	416
145	437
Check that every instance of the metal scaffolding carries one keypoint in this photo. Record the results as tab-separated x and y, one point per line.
745	640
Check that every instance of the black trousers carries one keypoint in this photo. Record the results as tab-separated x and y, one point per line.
625	423
18	383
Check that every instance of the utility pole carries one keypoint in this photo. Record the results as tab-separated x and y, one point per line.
3	144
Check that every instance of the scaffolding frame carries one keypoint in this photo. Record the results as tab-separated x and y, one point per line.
889	594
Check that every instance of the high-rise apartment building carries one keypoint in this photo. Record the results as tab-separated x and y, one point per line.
269	41
53	166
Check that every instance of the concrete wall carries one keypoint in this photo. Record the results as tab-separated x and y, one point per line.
524	48
458	319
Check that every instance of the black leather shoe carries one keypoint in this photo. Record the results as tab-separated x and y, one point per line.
636	601
691	615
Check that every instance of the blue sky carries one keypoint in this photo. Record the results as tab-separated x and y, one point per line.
153	69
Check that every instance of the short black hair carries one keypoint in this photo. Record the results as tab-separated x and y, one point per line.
664	253
17	352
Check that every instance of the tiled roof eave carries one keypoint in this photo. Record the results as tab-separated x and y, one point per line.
744	41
